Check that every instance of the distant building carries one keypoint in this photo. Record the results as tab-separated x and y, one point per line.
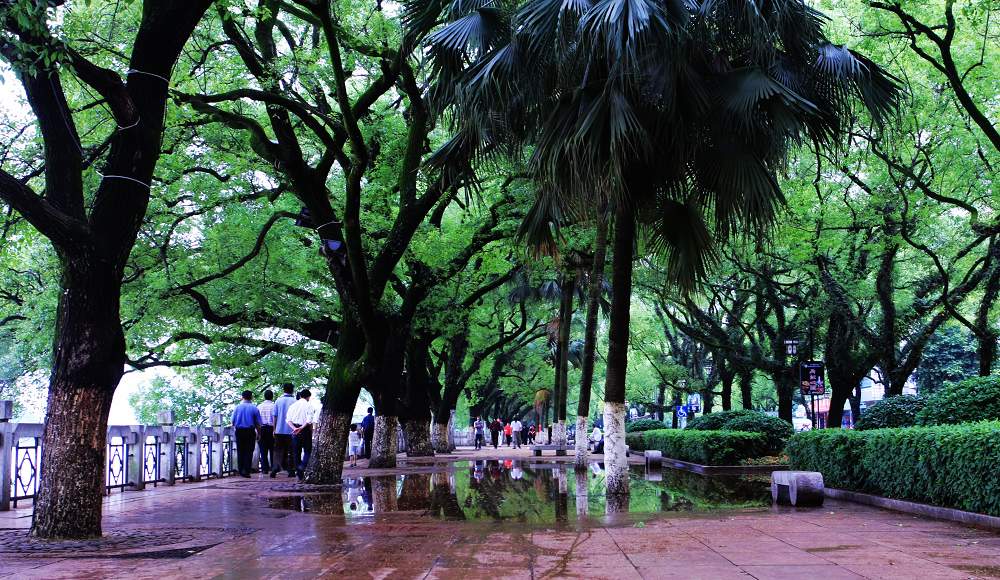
871	393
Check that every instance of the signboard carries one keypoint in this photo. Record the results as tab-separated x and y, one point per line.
811	380
694	402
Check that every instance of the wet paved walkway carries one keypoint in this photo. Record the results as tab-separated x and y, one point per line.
227	528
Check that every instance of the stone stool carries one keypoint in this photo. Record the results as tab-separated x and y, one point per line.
797	488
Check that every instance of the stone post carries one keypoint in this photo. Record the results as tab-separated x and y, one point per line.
194	454
135	447
215	436
168	446
451	430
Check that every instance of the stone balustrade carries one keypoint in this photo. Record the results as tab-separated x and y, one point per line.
136	456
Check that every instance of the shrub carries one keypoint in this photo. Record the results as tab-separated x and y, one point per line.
716	421
644	425
703	447
945	465
775	431
975	399
898	411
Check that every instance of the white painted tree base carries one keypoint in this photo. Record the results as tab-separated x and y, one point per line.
615	460
559	433
582	436
582	492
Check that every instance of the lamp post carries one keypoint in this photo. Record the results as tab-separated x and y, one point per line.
791	350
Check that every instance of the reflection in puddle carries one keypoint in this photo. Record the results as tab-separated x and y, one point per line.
520	491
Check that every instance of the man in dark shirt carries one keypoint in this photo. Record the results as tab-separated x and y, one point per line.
368	426
246	421
495	428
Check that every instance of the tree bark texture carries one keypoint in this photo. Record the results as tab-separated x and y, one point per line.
615	461
415	414
616	464
594	290
326	464
385	442
88	364
746	389
418	437
581	458
93	248
439	436
565	323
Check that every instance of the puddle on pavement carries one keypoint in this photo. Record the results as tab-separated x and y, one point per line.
538	493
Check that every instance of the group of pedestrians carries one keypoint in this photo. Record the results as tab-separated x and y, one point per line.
514	434
281	430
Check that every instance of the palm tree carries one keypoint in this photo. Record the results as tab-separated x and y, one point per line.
676	113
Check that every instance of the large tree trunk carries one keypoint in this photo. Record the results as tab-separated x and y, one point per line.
838	397
565	322
343	386
746	389
615	461
594	291
416	410
784	384
89	356
418	437
661	401
88	364
985	335
385	442
389	391
439	434
727	391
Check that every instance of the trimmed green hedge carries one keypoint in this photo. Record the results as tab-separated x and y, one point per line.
702	447
716	421
643	425
975	399
947	465
775	431
897	411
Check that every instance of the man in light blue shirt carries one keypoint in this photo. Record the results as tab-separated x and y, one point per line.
246	421
282	454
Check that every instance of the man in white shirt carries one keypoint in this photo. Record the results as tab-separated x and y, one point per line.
265	443
515	429
300	418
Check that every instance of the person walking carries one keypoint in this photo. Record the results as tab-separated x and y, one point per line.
301	418
368	432
265	440
281	458
480	427
354	440
515	429
506	434
531	434
495	428
246	422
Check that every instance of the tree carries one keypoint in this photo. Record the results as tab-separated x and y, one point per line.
92	227
665	111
